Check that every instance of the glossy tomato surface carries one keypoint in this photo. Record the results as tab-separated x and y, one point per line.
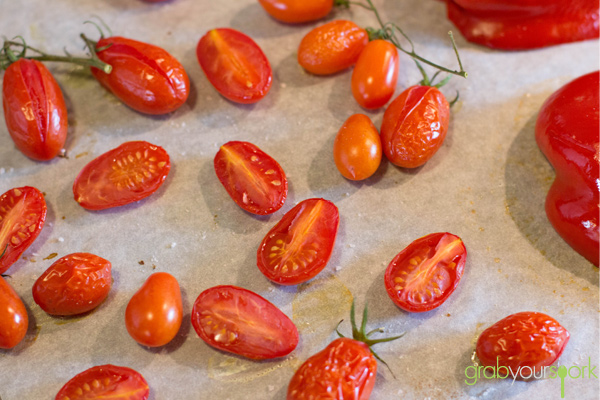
128	173
423	275
357	148
106	382
22	216
239	321
297	11
154	313
34	109
234	65
145	77
13	317
299	246
414	126
74	284
253	179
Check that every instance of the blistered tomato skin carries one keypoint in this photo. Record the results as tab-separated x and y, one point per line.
34	110
13	317
357	148
297	11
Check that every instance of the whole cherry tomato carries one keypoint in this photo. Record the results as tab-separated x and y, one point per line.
375	74
154	313
297	11
34	109
567	133
239	321
234	65
105	382
145	77
299	246
74	284
357	148
332	47
414	126
423	275
22	216
128	173
13	317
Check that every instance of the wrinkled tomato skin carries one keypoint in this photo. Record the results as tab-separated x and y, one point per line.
22	216
106	382
143	76
414	126
297	11
375	74
345	369
74	284
357	148
236	320
13	317
34	110
525	339
567	133
332	47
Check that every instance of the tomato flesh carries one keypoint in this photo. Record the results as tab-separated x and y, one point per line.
297	11
14	320
357	148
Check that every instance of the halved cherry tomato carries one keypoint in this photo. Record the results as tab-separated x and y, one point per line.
145	77
34	109
74	284
234	65
154	313
357	148
14	320
297	11
423	275
332	47
375	74
22	216
414	126
239	321
254	180
106	382
299	246
128	173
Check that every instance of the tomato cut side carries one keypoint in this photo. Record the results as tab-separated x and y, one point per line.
14	320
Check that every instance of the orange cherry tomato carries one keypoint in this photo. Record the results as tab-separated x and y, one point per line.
13	317
297	11
357	148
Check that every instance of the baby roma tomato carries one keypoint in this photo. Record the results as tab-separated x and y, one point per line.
423	275
357	148
234	65
13	317
106	382
239	321
74	284
297	11
299	246
332	47
34	109
128	173
414	126
154	313
145	77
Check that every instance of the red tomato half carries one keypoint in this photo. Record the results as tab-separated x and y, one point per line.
13	317
299	246
253	179
22	216
423	275
74	284
297	11
106	382
239	321
128	173
34	109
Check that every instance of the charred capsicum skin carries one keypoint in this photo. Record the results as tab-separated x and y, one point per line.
567	133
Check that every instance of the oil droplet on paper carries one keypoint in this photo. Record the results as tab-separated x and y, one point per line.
226	368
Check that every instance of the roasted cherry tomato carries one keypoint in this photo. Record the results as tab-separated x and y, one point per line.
34	109
567	133
13	317
297	11
423	275
357	148
332	47
239	321
128	173
253	179
145	77
154	313
525	339
22	216
106	382
415	126
234	65
74	284
299	246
